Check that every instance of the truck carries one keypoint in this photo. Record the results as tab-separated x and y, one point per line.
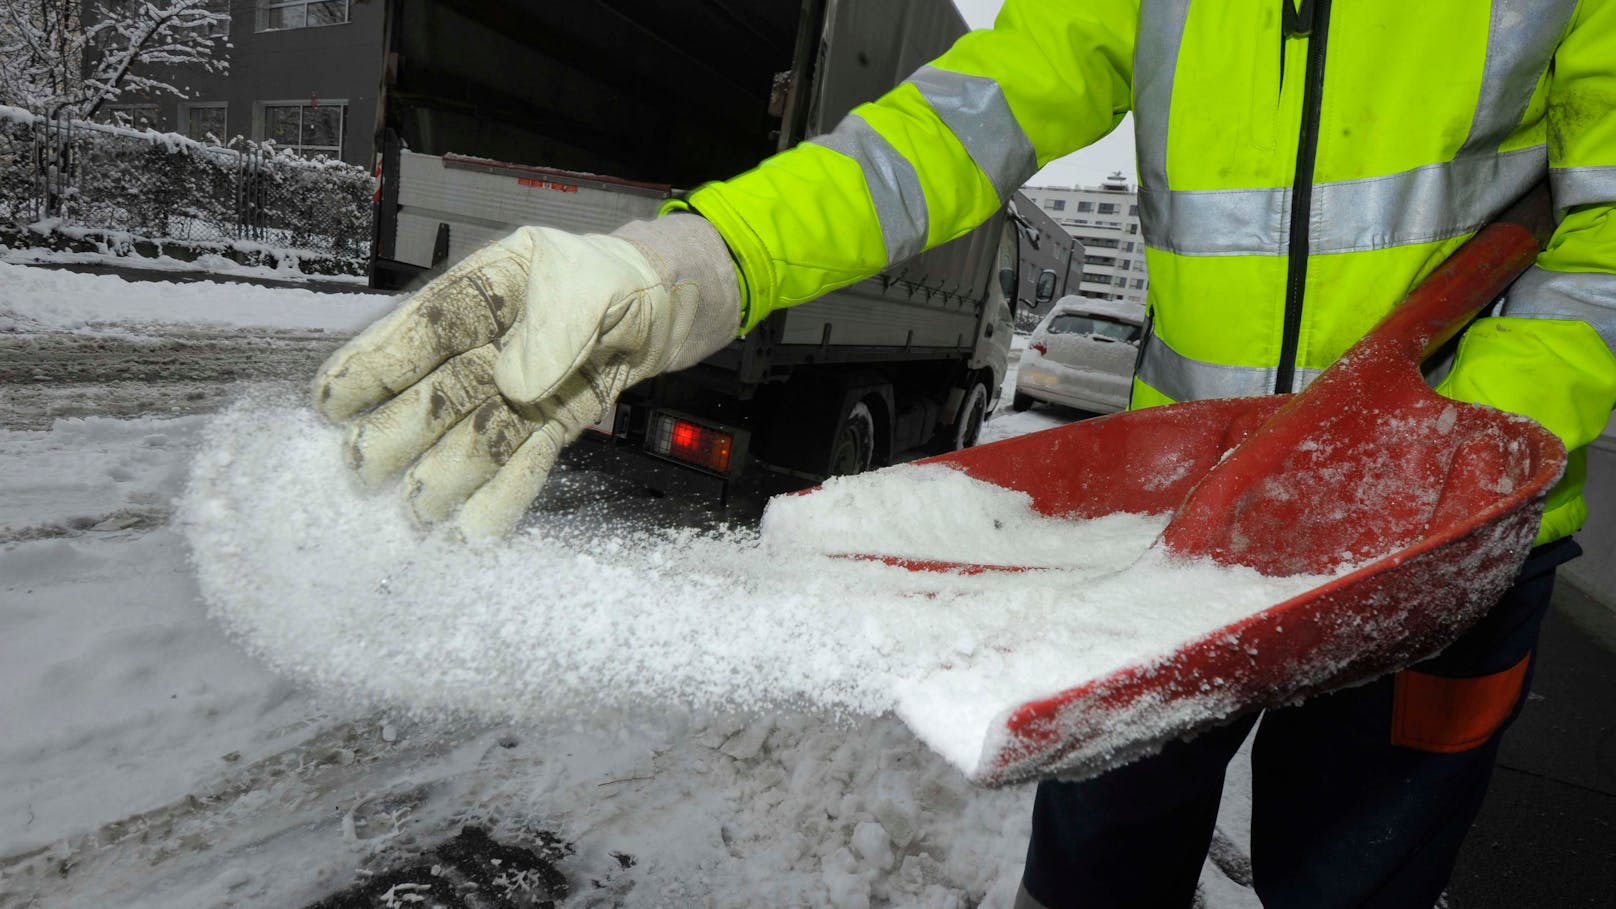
1051	262
497	113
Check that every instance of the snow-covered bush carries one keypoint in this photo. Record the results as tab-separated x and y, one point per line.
16	164
166	187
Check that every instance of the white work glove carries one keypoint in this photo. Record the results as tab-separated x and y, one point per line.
473	385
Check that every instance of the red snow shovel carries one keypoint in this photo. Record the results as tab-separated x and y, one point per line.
1433	502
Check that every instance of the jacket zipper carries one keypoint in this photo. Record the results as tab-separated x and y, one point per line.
1313	21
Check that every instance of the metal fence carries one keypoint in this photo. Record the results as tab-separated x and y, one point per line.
163	186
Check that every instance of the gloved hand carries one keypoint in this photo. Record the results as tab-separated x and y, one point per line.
476	382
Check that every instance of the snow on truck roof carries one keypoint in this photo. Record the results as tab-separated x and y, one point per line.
1122	310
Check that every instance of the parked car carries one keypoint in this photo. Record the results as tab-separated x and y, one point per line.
1081	355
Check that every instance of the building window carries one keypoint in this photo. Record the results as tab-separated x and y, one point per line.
1138	283
1133	211
1122	265
136	116
1090	277
1119	281
1128	246
1109	208
220	27
1085	206
1055	204
279	14
199	121
1102	261
311	129
1133	228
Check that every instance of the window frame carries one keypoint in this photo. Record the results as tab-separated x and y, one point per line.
220	29
185	118
261	124
154	120
263	7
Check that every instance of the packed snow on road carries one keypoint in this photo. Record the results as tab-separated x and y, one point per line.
232	678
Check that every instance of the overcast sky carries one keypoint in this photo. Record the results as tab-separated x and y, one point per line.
1086	167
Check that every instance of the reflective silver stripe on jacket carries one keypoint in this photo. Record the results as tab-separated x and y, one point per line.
900	204
975	110
1155	60
1183	379
1521	38
1586	295
1435	202
1575	186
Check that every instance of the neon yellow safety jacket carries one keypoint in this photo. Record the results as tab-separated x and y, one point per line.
1301	167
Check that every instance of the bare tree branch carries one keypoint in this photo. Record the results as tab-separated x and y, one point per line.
56	57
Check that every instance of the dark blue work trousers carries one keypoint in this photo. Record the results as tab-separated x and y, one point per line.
1360	797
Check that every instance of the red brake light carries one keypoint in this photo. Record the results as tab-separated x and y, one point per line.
1039	347
692	443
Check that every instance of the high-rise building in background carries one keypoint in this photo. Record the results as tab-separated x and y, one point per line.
1106	219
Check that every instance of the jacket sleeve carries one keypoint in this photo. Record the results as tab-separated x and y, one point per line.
931	159
1551	353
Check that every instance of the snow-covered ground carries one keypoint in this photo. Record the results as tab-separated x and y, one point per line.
42	299
149	760
207	264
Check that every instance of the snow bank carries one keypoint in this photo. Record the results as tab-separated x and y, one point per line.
43	299
118	255
335	587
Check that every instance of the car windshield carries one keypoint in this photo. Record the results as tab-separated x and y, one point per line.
1073	324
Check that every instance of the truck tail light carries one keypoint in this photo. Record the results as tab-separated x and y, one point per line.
691	443
1039	347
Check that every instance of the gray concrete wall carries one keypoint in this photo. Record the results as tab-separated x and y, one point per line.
332	63
1595	572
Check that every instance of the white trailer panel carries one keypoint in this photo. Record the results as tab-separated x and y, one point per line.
484	200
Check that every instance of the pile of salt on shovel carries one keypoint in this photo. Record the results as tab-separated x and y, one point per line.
1403	515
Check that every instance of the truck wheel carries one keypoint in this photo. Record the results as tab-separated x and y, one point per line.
973	413
1021	402
855	443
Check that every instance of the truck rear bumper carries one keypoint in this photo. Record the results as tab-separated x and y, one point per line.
632	463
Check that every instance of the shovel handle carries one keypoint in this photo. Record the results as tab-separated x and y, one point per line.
1470	279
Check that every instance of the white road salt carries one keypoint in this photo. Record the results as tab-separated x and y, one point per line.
335	587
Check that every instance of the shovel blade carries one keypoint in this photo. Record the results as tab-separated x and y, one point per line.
1439	561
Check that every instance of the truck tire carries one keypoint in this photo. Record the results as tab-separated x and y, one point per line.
973	413
1021	402
854	447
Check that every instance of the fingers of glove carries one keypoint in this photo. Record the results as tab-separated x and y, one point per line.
384	441
580	290
464	459
496	507
493	509
471	305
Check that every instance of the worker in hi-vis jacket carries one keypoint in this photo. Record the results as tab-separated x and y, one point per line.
1302	165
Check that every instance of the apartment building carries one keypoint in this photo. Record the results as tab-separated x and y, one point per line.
304	73
1106	219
